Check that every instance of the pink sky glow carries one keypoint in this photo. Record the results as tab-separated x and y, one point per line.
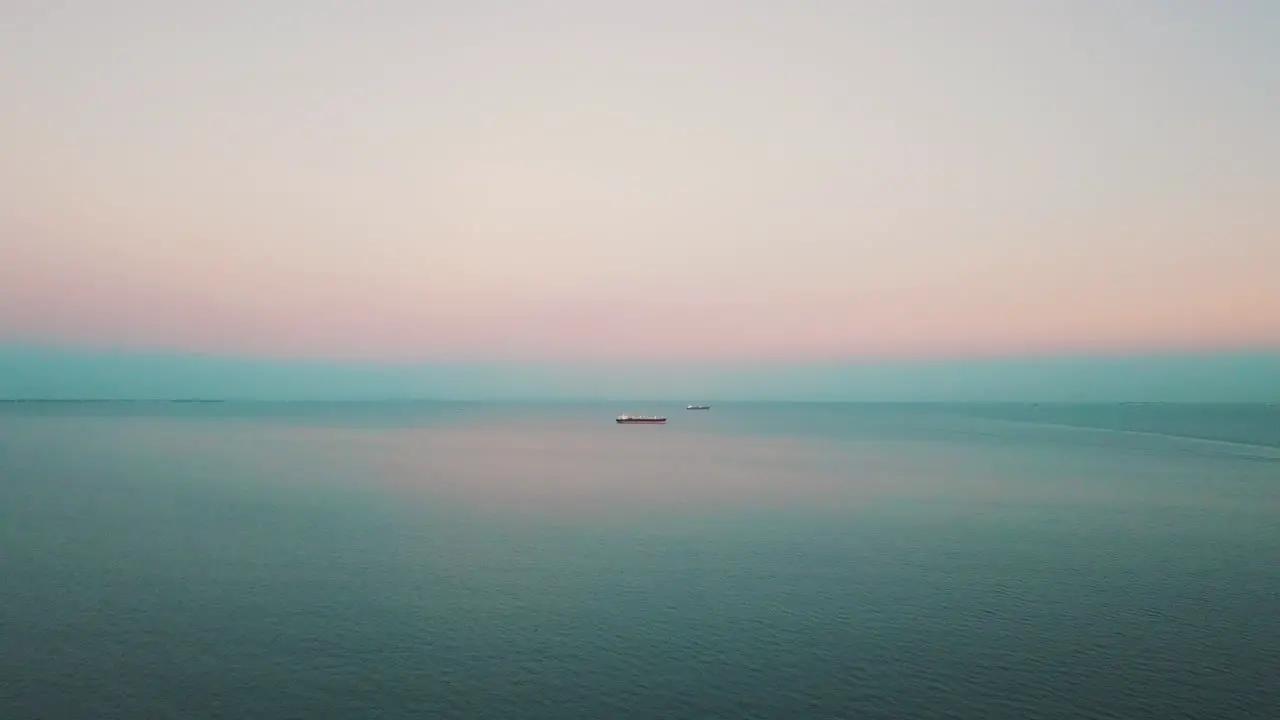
576	181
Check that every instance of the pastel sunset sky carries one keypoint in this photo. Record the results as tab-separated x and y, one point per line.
570	181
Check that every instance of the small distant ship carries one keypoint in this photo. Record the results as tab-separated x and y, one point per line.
641	420
698	407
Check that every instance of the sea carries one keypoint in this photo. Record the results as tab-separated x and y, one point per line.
256	560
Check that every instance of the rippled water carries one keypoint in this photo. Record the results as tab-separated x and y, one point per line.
755	561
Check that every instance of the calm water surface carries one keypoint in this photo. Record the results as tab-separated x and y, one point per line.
420	560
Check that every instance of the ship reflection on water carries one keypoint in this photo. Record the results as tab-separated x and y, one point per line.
571	469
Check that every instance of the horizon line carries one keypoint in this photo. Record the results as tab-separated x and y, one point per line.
1030	355
585	400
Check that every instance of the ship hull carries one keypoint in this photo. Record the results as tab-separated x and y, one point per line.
641	422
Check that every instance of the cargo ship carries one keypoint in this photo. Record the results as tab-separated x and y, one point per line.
698	407
641	420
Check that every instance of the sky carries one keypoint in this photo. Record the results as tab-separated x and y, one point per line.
1214	377
559	183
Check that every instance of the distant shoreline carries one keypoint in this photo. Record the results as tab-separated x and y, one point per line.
85	401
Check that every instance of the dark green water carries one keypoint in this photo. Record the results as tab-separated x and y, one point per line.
414	560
